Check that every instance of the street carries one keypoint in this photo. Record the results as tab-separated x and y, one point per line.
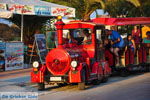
13	81
134	87
117	88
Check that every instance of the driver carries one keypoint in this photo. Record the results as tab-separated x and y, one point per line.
71	37
87	37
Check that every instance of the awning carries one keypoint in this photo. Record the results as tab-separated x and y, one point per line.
36	7
122	21
5	14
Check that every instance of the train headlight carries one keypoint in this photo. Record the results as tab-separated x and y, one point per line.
35	64
74	64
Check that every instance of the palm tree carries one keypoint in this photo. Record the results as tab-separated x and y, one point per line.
87	7
123	7
136	3
144	7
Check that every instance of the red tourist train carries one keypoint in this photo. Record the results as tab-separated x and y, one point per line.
80	60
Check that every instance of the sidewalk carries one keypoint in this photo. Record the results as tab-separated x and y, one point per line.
15	73
16	81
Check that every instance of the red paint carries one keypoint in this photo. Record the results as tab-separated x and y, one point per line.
39	76
58	61
59	25
129	57
109	57
75	76
142	54
122	21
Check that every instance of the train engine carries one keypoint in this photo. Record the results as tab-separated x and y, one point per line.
73	62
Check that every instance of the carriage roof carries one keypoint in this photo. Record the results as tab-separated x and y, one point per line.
122	21
107	21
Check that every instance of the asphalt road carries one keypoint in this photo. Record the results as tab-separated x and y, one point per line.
135	87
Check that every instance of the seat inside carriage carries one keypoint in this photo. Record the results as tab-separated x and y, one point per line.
140	60
128	57
147	45
79	40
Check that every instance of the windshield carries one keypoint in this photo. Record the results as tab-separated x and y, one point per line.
77	36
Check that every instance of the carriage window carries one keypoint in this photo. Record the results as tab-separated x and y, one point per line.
98	34
79	36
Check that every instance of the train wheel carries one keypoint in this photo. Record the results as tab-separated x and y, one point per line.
148	68
41	86
97	81
124	73
62	84
105	79
81	85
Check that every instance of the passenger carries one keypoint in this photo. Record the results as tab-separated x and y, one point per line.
116	43
107	44
145	29
147	39
87	37
130	43
108	54
136	34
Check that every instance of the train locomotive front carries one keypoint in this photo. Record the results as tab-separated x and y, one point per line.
61	61
72	63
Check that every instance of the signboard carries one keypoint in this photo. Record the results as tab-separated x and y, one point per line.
42	10
41	46
21	9
38	10
3	6
69	12
14	56
2	56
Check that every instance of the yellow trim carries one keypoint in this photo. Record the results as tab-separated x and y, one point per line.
81	23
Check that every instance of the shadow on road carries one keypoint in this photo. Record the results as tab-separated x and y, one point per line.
114	79
73	87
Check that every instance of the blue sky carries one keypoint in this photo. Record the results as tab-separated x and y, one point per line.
100	12
5	21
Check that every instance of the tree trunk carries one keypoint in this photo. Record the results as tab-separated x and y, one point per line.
86	16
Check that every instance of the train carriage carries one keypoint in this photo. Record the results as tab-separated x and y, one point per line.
129	61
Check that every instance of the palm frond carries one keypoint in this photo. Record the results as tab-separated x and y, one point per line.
101	2
136	3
